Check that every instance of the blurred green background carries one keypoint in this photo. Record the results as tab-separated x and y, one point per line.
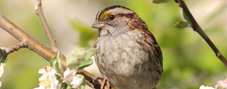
188	61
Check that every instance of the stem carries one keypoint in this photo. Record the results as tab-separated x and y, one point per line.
15	47
39	12
199	30
30	42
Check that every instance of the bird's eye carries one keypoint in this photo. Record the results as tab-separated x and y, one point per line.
111	17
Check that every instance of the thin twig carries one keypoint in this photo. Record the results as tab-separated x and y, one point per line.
6	51
15	47
40	49
30	42
198	29
39	12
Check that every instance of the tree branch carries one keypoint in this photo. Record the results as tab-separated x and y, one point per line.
5	51
46	53
30	42
15	47
198	29
39	12
91	80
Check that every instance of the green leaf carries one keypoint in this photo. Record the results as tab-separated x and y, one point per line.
83	83
64	86
85	33
80	58
85	64
186	18
3	56
181	24
160	1
53	61
57	65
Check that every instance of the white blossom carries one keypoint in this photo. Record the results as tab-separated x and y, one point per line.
222	84
76	82
205	87
1	69
48	80
0	83
70	78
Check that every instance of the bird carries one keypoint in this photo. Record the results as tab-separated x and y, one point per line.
128	55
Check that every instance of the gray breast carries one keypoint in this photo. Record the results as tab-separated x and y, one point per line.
122	58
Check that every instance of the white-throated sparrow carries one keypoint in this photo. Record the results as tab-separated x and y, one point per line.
128	54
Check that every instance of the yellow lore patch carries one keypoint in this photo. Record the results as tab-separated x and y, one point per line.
104	14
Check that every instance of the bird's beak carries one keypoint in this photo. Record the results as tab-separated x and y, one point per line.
97	25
